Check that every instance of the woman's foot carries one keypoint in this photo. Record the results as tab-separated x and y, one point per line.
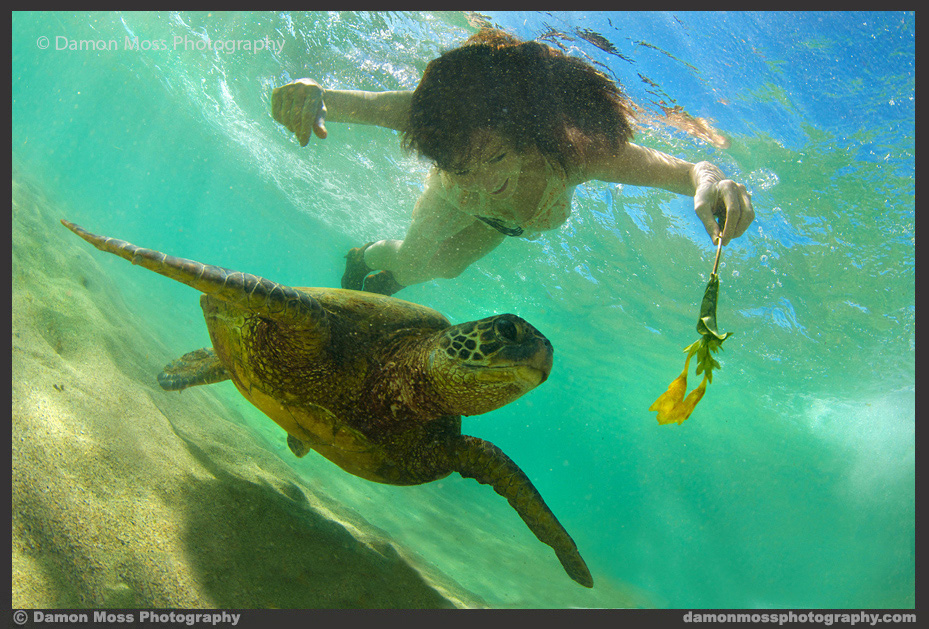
355	268
382	282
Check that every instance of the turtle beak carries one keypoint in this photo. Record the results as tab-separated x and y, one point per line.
542	361
534	353
532	368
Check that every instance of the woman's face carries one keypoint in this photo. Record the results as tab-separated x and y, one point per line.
493	168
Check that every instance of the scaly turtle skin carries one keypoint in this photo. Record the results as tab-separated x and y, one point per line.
375	384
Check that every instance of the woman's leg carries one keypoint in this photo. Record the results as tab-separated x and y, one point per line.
442	241
410	263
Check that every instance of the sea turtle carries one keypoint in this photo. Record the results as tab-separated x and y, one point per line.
375	384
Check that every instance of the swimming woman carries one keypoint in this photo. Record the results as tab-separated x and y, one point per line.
512	128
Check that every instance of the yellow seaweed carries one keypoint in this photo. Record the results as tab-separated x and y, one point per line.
669	403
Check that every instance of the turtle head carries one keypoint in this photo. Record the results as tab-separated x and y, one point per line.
480	366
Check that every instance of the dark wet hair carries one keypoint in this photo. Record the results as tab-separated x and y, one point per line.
532	94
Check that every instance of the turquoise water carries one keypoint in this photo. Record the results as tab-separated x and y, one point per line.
792	485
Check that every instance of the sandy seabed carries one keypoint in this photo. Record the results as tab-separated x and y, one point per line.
125	497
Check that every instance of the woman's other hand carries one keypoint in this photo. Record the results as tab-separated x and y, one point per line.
299	106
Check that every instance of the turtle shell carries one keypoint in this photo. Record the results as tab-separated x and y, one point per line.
312	380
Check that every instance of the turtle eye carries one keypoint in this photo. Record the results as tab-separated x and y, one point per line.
505	329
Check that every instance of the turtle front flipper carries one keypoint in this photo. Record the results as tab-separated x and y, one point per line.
201	366
486	463
251	293
299	448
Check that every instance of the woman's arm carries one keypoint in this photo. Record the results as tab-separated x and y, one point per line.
384	109
303	107
713	194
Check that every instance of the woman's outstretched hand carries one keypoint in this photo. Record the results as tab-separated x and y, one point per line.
723	198
299	106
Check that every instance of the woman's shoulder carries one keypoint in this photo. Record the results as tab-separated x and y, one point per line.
578	169
595	162
440	188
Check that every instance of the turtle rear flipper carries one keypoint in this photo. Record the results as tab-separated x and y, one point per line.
487	464
201	366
